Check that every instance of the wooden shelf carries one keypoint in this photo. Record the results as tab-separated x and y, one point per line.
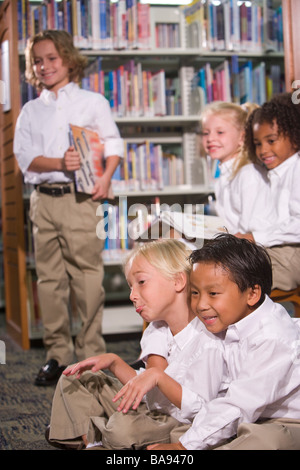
11	177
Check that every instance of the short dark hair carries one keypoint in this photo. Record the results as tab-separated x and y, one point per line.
247	263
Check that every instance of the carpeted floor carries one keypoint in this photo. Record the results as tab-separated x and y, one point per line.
25	408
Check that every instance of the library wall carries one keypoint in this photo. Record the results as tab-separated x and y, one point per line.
158	67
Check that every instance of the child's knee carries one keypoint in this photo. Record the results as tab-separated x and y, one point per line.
120	432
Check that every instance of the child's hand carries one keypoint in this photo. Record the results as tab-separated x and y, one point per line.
247	236
134	390
71	160
100	190
95	363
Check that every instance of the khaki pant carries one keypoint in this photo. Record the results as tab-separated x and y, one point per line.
68	256
269	434
285	266
84	406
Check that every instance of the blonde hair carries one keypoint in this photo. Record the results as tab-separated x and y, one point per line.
169	257
239	115
63	43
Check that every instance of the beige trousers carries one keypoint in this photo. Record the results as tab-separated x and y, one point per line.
269	434
84	406
285	266
68	256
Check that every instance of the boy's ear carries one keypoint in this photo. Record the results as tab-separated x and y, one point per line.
180	281
254	295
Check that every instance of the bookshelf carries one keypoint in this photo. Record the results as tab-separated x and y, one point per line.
181	59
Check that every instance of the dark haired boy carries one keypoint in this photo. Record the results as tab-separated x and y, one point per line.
230	283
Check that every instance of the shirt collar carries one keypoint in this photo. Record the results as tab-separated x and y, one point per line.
49	96
283	167
226	167
248	325
181	338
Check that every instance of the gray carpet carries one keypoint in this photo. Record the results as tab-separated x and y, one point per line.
25	408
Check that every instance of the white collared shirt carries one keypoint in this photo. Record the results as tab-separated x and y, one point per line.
240	200
249	198
262	353
42	128
284	193
222	191
195	361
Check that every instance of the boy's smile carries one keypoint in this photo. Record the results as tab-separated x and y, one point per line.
48	66
216	299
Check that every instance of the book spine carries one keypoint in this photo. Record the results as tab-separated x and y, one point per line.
103	24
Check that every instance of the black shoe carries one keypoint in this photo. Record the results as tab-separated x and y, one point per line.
49	373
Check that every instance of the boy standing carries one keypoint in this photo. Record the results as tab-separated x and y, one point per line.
230	284
67	250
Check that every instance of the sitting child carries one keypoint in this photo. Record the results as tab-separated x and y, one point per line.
85	407
273	139
222	131
230	283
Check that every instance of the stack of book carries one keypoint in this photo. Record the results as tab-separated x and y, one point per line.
232	25
147	167
232	81
132	91
252	26
94	24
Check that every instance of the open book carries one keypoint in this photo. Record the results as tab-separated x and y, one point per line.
193	228
90	149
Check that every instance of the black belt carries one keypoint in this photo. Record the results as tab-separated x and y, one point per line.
56	191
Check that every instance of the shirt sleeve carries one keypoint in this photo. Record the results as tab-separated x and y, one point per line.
267	376
200	385
154	341
108	130
25	148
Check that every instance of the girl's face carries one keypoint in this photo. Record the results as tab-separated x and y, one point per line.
216	300
48	66
152	294
271	147
220	138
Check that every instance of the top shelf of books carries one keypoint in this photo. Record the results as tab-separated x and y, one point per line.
130	27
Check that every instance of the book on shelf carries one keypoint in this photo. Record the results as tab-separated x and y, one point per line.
148	166
195	25
234	81
133	91
113	229
246	83
90	148
167	35
94	24
233	25
159	93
